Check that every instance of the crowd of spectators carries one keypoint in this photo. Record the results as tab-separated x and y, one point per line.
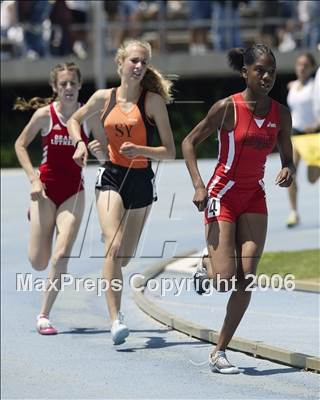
40	28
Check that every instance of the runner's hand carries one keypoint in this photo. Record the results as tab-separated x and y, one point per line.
285	177
129	150
80	156
37	190
200	198
95	149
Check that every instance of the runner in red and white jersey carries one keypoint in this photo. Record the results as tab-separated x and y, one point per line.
236	186
57	196
244	149
249	124
58	147
59	173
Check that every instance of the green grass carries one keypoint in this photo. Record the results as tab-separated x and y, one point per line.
302	264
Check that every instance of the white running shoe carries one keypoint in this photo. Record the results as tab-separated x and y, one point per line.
219	363
119	330
293	219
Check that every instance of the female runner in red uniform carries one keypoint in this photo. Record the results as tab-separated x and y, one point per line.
249	124
57	197
124	189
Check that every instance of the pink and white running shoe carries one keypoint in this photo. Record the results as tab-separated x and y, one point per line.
44	326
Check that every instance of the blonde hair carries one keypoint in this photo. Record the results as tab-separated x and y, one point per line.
153	80
38	102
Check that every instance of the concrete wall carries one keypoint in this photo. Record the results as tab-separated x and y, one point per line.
212	64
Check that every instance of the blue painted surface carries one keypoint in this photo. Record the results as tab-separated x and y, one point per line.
81	362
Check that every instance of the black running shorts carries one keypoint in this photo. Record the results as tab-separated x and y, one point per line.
135	185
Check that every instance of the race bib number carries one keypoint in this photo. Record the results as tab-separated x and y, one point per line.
99	176
213	207
154	189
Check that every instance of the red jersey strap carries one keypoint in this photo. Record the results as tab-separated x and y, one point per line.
54	117
275	110
241	105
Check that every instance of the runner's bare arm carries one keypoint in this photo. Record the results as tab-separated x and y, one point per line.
39	121
99	146
94	106
215	118
284	178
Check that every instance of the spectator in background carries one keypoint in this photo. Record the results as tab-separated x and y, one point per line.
199	11
33	14
155	10
226	24
269	9
309	17
300	101
65	38
11	33
316	99
8	16
111	10
79	10
61	19
130	16
286	39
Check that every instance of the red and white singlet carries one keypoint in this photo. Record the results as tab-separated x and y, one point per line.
236	186
58	171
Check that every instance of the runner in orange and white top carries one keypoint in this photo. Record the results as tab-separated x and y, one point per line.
124	188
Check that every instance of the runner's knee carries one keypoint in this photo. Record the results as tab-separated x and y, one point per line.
38	262
223	282
112	249
313	174
312	179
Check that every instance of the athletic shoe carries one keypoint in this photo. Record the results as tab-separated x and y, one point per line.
44	326
119	330
293	219
219	363
201	281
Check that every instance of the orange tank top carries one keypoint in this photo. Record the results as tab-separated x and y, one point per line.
133	126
